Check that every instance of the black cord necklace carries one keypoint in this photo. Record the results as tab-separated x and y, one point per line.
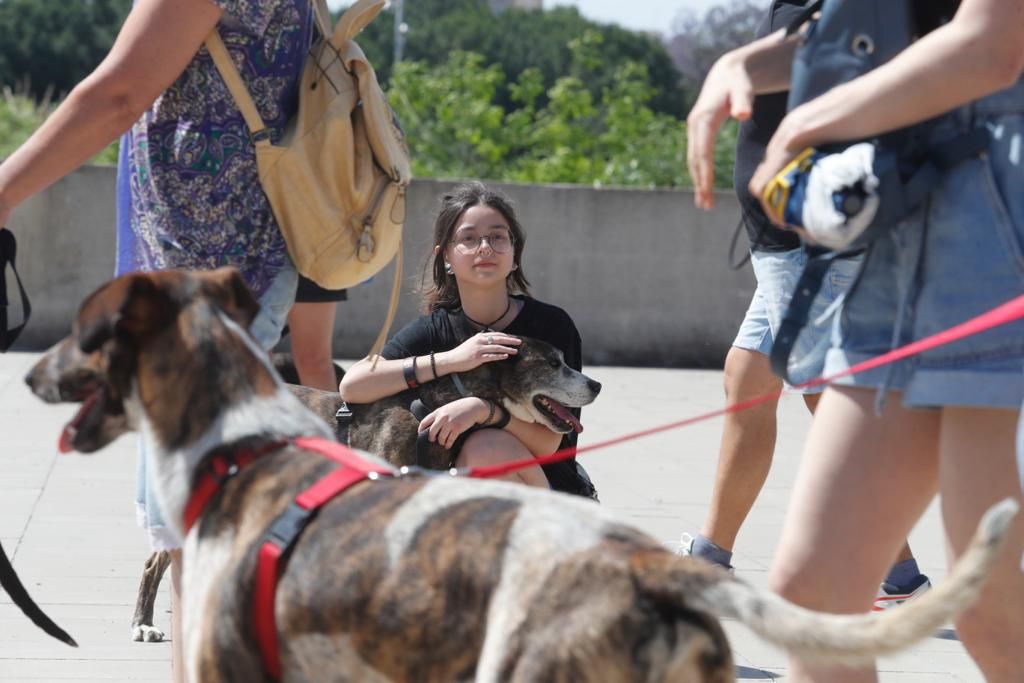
488	327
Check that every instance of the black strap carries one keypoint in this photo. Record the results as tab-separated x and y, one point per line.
733	263
807	287
420	410
802	18
8	253
12	584
342	419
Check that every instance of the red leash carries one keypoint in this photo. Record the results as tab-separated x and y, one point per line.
1001	315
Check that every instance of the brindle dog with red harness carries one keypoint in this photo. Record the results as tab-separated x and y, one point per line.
422	578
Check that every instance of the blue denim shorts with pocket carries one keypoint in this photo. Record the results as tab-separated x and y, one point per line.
777	273
953	259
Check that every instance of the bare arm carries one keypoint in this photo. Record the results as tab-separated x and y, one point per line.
156	43
979	52
366	383
762	66
448	422
537	438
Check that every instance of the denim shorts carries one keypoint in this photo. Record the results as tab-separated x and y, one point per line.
777	273
953	259
266	329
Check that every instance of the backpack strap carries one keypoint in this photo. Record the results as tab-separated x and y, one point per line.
322	17
354	20
807	287
8	253
258	131
396	293
229	72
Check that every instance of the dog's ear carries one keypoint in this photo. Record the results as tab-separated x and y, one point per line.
130	304
226	287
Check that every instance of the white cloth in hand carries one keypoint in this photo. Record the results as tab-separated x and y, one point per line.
836	173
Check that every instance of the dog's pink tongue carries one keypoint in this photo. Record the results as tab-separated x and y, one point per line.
563	412
66	443
67	438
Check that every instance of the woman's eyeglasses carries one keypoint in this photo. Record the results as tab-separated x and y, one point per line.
499	242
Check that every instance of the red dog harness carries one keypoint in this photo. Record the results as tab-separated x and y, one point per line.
285	530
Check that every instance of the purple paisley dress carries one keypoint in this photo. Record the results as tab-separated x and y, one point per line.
188	194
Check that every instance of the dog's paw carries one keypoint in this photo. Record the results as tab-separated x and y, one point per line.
147	634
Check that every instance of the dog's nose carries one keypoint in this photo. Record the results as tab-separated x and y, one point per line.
30	379
594	386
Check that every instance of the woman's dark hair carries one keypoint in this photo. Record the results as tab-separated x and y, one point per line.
441	291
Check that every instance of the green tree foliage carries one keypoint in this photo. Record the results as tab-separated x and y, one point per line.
456	126
516	40
21	114
53	44
526	96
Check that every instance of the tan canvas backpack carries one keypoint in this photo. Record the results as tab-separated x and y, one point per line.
337	179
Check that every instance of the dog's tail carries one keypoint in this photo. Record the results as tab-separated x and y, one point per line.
834	638
12	584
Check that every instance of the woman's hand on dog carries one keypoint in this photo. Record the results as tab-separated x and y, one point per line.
448	422
485	347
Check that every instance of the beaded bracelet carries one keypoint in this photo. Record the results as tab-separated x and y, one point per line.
409	372
490	414
433	365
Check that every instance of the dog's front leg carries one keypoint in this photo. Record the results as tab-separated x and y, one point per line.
142	621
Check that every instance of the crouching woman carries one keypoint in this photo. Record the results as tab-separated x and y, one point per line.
478	306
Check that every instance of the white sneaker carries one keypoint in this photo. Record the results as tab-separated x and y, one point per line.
685	547
890	596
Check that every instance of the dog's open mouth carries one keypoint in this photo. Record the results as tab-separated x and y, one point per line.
92	410
558	415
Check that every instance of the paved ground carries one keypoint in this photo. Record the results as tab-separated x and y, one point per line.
68	523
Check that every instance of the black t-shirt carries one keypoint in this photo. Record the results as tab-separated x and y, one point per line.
753	137
443	330
930	14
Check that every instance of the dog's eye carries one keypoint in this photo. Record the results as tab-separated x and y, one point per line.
555	364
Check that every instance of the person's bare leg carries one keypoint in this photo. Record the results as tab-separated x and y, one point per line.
494	447
851	508
978	468
311	327
811	400
747	446
177	640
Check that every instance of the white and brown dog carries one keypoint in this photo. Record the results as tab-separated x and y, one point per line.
430	578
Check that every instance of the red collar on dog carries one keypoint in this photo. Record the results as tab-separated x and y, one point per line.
285	530
218	468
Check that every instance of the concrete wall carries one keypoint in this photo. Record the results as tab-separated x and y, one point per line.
644	274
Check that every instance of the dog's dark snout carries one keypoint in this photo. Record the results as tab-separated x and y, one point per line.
594	386
38	381
35	377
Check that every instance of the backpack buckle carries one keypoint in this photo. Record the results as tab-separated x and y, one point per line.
367	245
261	135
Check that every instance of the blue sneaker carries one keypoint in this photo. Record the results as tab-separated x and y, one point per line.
685	548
